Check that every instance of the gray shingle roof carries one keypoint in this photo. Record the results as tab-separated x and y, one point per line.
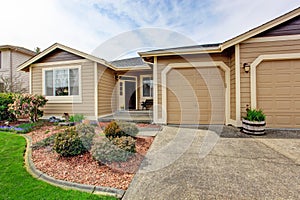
185	48
17	48
135	62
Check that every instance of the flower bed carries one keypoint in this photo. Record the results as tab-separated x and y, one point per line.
83	168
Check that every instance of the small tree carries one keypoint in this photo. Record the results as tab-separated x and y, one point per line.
27	105
12	86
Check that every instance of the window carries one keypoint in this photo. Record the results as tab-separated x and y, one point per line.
62	82
147	86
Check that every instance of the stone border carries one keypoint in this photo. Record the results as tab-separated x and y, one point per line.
98	190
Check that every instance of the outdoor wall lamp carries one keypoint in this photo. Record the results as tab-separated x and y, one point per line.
116	76
246	67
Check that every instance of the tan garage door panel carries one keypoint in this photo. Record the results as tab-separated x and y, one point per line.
278	92
190	93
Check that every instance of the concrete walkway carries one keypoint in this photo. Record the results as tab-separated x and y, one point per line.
198	164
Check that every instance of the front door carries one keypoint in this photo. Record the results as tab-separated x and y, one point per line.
127	93
130	95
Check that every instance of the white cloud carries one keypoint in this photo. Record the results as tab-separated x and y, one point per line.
87	24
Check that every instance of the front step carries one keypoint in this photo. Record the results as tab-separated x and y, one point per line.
130	116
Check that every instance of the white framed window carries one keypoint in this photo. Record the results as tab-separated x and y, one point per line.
147	86
62	84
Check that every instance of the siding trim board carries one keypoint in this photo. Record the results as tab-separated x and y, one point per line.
254	65
220	64
237	86
272	39
96	88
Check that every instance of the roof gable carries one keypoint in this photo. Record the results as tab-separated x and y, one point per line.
58	55
291	27
70	52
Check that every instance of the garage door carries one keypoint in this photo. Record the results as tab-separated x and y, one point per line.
278	92
196	96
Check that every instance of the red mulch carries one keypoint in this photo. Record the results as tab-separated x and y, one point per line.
83	169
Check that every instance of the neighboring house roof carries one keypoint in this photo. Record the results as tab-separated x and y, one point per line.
68	49
19	49
131	63
217	48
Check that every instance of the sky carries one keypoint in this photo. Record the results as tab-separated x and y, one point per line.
114	29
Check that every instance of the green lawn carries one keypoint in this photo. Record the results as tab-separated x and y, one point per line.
17	183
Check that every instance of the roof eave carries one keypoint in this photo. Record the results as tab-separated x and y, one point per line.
181	52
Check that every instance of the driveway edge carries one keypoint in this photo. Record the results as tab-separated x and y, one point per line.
98	190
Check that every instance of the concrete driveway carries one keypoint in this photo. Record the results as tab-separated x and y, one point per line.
199	164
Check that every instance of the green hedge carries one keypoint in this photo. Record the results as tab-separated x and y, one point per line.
5	99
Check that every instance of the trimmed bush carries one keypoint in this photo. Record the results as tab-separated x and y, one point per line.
47	142
104	151
120	129
125	142
5	100
129	129
68	143
113	130
86	134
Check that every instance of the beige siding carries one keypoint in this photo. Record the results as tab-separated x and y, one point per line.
164	61
250	51
17	59
107	100
86	108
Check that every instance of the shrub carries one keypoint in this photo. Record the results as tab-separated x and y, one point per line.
68	143
113	130
49	141
104	151
255	115
27	105
5	100
86	133
129	129
76	118
125	142
120	129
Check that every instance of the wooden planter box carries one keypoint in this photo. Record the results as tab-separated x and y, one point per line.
254	128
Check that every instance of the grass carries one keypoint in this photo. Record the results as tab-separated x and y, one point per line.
17	183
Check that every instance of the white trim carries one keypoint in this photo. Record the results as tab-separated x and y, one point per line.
237	86
155	91
185	51
141	86
254	65
132	68
60	63
124	89
96	88
220	64
63	99
30	80
272	39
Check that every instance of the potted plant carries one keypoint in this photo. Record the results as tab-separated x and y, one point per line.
255	122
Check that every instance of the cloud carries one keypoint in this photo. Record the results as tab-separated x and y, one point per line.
85	25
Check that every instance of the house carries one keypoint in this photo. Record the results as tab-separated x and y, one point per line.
76	82
10	58
203	84
211	84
